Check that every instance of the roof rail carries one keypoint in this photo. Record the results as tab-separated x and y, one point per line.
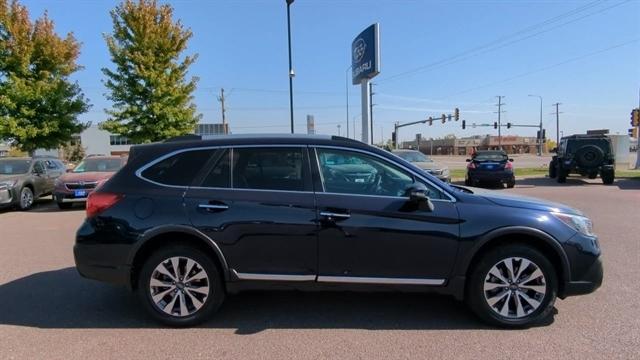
188	137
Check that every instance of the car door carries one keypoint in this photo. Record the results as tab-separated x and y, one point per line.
54	171
369	231
257	204
39	176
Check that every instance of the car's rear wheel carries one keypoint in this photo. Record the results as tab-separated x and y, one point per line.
608	177
26	198
180	286
512	286
511	183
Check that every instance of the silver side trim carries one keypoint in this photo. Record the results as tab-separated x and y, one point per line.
272	277
215	207
377	280
76	200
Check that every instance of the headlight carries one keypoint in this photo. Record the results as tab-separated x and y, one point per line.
8	183
445	171
579	223
57	183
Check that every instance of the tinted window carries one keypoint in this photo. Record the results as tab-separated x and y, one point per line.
348	172
490	156
179	169
220	175
269	169
38	167
51	164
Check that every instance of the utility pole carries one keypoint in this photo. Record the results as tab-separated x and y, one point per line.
371	93
291	72
557	123
500	103
347	96
224	110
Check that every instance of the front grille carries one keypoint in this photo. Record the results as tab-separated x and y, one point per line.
81	185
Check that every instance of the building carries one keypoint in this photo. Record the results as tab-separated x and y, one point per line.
212	129
512	144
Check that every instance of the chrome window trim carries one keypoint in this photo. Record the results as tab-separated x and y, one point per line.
419	176
379	280
272	277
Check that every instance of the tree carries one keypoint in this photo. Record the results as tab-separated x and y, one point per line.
152	99
73	151
39	104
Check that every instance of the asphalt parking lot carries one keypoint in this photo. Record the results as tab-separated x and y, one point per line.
47	311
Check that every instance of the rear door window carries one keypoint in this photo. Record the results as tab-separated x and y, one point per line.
271	168
220	174
180	169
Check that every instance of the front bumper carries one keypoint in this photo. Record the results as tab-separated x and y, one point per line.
70	197
7	196
590	281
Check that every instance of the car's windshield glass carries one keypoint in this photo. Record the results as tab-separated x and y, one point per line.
490	156
413	156
99	165
14	166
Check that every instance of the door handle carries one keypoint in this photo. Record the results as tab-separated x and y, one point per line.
330	214
213	207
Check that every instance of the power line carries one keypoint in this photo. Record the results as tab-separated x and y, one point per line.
489	47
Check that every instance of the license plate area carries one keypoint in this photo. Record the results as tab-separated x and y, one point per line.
80	193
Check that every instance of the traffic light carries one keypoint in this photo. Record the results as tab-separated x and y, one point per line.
508	125
456	114
430	121
449	117
633	132
444	118
464	124
495	125
635	117
544	135
393	139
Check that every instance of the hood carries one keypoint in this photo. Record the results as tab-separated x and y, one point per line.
89	176
427	165
524	202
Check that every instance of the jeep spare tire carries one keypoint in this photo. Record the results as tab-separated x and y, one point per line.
589	156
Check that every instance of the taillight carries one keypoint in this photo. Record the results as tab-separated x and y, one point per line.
98	202
508	166
471	165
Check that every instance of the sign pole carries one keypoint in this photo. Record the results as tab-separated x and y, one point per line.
366	108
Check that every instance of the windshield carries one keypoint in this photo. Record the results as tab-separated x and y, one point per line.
413	156
490	156
99	165
14	166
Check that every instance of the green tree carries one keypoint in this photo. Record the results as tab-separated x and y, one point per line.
152	99
73	151
39	104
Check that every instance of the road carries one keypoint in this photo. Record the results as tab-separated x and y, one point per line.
47	311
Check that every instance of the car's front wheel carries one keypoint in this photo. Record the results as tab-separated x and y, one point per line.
512	286
180	286
26	198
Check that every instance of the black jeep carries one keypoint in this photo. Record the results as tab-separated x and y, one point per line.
587	155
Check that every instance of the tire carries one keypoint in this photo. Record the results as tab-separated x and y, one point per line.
25	202
553	170
64	206
159	267
511	184
589	156
541	290
592	175
608	177
561	175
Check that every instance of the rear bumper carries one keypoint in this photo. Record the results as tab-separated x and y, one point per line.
591	281
486	176
90	264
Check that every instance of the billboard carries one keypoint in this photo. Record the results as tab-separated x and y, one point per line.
365	54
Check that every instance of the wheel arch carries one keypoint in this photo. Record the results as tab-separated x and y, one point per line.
536	238
158	237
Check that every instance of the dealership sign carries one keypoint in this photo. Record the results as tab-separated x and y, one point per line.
365	55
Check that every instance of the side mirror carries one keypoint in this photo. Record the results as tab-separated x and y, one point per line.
417	195
468	160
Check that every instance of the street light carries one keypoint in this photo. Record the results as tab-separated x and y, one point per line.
291	72
347	95
540	133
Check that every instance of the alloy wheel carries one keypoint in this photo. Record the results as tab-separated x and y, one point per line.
179	286
26	198
514	287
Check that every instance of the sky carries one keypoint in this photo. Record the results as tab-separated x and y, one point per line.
435	56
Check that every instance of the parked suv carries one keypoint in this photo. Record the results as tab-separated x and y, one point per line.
24	179
76	185
587	155
185	222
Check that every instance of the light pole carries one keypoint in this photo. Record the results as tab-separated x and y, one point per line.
291	73
540	132
346	89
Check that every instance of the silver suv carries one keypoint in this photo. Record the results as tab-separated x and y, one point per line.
24	179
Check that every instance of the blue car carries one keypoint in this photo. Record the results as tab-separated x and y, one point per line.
490	167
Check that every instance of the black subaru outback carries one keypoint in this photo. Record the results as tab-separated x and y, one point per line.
587	155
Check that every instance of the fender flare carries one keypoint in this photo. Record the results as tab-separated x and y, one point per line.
517	230
163	229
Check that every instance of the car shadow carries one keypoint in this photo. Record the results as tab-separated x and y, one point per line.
63	299
621	183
